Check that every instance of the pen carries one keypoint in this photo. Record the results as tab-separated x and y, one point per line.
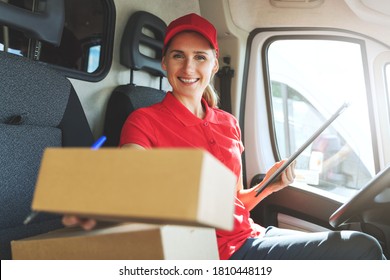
30	217
98	143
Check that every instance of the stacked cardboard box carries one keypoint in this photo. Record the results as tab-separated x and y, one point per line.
167	190
121	242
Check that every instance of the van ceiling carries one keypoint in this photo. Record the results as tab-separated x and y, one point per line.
353	15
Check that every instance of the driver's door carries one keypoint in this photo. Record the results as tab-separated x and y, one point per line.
295	81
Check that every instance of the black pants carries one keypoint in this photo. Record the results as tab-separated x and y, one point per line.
282	244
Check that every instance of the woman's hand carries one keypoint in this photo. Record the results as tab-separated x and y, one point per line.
71	221
248	196
285	179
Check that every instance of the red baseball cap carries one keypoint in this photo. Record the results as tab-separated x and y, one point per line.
192	22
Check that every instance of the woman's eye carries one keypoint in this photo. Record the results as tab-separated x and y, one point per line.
200	57
177	55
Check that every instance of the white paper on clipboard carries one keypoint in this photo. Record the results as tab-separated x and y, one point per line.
301	149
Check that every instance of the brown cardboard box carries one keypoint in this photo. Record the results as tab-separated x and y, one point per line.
162	186
126	241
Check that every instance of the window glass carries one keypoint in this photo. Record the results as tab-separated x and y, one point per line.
309	80
93	58
85	39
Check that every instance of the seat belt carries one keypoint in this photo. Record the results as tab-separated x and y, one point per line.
225	76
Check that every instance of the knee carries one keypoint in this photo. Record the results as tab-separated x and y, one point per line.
365	246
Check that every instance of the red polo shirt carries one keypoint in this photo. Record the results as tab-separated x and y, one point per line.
170	124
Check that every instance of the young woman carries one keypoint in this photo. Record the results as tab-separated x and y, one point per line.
189	117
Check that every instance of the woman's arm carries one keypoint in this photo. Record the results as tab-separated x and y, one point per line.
133	146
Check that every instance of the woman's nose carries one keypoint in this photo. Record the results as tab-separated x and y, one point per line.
189	65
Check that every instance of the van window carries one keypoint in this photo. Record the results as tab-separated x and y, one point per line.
86	44
308	80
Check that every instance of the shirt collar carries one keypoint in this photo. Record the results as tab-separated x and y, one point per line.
184	115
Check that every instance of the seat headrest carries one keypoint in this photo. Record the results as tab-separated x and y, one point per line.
44	25
134	38
31	93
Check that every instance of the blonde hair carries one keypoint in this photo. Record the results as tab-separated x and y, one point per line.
211	96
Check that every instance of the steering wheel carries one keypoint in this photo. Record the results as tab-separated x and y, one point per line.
377	191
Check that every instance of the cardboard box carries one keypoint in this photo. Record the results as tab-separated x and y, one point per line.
121	242
159	186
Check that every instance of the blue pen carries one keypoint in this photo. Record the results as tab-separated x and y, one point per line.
98	143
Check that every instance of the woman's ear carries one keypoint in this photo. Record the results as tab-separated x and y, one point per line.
216	66
163	64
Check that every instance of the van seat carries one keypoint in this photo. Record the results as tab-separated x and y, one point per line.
127	98
38	108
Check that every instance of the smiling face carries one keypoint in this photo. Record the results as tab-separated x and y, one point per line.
190	63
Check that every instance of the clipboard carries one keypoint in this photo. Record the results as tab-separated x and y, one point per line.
301	149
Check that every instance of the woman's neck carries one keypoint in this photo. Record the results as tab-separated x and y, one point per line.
194	105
